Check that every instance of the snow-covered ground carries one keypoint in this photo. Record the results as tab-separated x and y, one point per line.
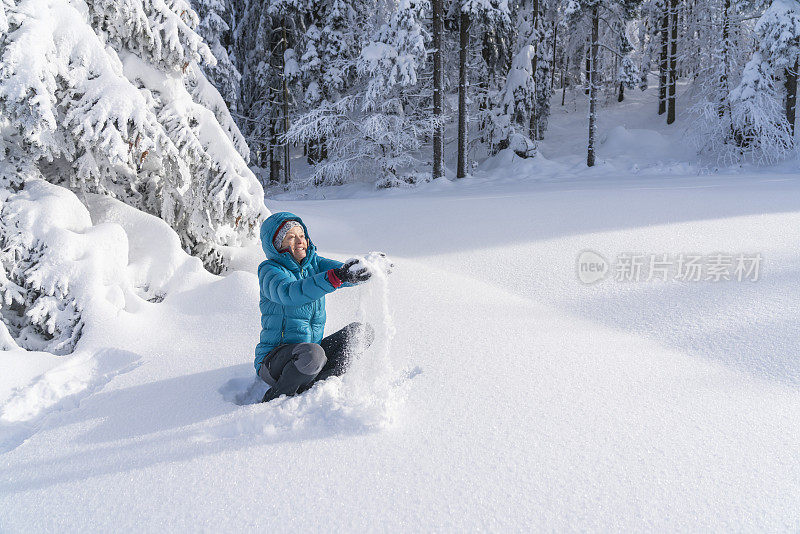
501	392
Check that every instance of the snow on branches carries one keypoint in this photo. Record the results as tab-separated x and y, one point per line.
516	100
374	131
108	97
144	132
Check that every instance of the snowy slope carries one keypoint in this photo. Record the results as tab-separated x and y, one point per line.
510	395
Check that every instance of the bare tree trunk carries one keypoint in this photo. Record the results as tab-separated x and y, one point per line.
593	86
274	160
673	61
483	90
284	46
462	94
564	71
791	94
588	66
621	96
274	89
615	72
725	76
663	65
438	89
532	120
263	153
553	68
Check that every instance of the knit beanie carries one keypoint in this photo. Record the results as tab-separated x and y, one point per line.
283	229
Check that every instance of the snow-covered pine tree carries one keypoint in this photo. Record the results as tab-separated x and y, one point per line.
97	100
375	131
479	14
581	12
312	69
648	38
778	37
627	75
542	36
332	43
252	47
716	62
759	125
487	61
742	105
285	15
220	89
215	28
509	119
502	116
612	39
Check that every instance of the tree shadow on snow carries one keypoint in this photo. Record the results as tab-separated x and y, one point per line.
544	211
191	416
750	326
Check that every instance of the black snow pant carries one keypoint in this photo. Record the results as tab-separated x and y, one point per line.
295	367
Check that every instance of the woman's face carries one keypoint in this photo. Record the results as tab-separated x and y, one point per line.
295	241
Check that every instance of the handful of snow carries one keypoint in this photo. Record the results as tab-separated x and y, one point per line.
375	263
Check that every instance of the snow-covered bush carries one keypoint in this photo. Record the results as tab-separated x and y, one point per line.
409	179
70	264
47	276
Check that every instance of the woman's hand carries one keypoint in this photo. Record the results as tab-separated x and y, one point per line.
353	272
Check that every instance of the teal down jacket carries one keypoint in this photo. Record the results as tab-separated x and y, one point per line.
292	295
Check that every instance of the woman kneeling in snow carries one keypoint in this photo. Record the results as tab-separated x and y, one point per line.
291	354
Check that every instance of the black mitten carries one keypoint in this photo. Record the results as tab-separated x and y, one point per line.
352	272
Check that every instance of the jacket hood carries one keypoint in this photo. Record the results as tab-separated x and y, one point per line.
268	229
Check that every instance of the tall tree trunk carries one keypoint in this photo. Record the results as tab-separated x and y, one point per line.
533	119
673	61
725	76
274	159
621	96
438	89
588	66
462	94
553	68
263	154
593	86
284	47
274	89
564	71
483	90
615	71
663	65
791	94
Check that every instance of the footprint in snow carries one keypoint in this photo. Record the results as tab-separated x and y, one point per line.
58	390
